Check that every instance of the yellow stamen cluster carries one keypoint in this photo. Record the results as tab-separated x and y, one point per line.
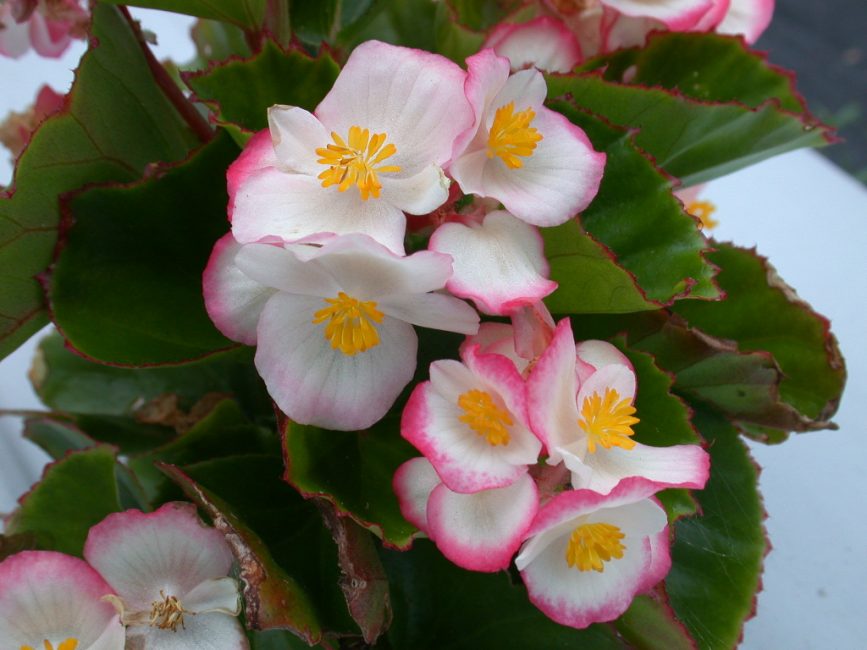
608	421
703	211
358	162
349	327
484	417
167	613
591	545
69	644
512	136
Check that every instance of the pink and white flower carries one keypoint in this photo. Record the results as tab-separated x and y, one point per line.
539	165
372	150
588	555
479	531
499	262
55	601
332	322
544	43
470	421
47	26
170	574
580	403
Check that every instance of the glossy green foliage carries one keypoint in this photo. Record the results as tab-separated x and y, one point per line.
248	14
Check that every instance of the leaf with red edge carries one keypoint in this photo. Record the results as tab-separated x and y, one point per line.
353	470
247	14
694	117
653	251
650	624
127	285
115	122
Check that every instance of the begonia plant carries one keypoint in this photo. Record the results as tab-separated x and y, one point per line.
396	324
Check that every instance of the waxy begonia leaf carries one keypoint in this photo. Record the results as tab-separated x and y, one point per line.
243	13
353	470
287	557
438	605
693	140
763	314
649	624
483	14
225	431
57	438
717	557
67	382
700	67
276	640
657	247
127	285
274	600
74	494
216	41
116	121
241	91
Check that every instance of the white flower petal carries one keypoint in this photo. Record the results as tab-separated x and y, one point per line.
433	310
279	268
413	483
296	135
203	632
217	595
419	194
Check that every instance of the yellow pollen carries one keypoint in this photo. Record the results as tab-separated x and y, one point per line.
69	644
591	545
484	417
167	613
703	211
607	421
512	136
357	163
349	327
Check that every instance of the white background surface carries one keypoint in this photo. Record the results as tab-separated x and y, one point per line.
810	219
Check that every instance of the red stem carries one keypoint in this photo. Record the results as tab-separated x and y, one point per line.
188	112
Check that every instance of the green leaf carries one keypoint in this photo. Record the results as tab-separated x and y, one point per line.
691	139
438	605
637	218
74	494
241	91
127	285
717	558
247	14
353	470
483	14
649	624
700	67
763	314
225	431
67	382
116	122
285	535
216	41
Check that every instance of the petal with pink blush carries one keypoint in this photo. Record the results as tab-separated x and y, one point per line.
14	36
233	300
496	338
415	97
50	38
258	154
413	483
677	15
139	554
747	17
314	383
46	595
481	531
577	597
272	203
544	43
551	391
499	264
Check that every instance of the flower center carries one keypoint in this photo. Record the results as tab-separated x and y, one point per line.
484	417
607	421
591	545
69	644
349	325
167	613
358	162
703	211
512	136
